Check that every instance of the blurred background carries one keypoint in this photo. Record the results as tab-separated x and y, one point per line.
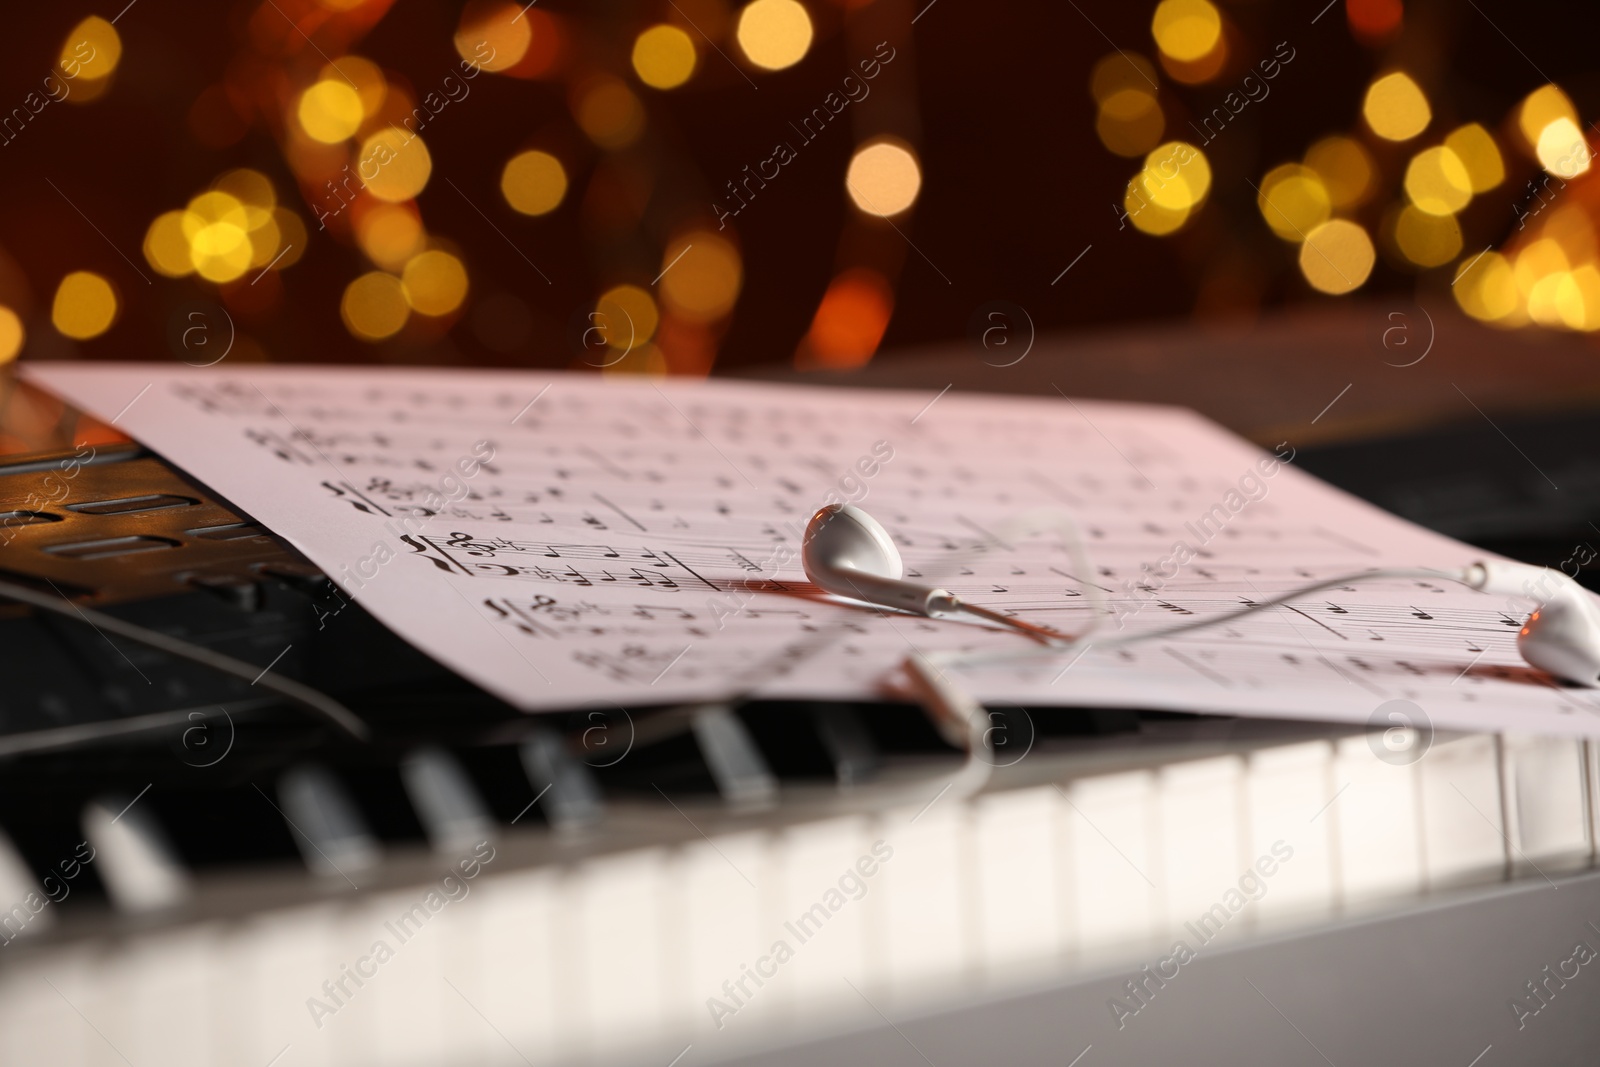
694	186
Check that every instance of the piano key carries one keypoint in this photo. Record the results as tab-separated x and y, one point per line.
1289	795
328	827
848	743
1111	818
564	788
925	943
24	904
453	815
1202	857
736	764
1464	841
1545	798
135	861
823	916
1378	827
1018	880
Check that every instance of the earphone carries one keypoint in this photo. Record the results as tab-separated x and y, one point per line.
849	553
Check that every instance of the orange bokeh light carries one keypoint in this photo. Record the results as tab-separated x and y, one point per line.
1374	21
850	321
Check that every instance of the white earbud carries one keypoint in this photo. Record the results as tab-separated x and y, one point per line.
848	553
1562	635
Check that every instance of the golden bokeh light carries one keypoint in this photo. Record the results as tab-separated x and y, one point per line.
1437	181
1201	70
1555	301
609	113
1587	279
1542	107
292	238
1119	71
85	305
395	164
166	246
1146	215
664	57
11	334
493	35
435	282
1562	149
1293	201
884	178
330	111
774	34
702	276
1486	288
218	230
1536	261
374	306
533	182
265	240
1426	239
1345	168
1395	108
91	51
1186	30
390	234
1130	122
851	319
626	316
1176	176
253	190
1337	257
1476	149
365	75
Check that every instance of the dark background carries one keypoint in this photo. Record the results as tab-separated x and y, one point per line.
995	97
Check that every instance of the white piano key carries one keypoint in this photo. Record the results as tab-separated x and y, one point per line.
1290	797
727	920
524	988
1463	836
1019	884
821	899
1545	799
286	956
1114	873
25	908
325	823
1202	854
41	995
927	937
163	985
617	913
452	813
1379	826
135	861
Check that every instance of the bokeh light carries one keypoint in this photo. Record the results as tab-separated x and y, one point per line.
1476	149
626	316
1119	71
774	34
395	164
1176	176
1293	201
435	282
218	230
1485	288
609	113
884	178
1395	108
85	305
92	50
1374	21
1186	30
851	319
663	57
11	334
533	182
1337	257
1437	181
390	234
1426	239
1145	214
166	246
330	111
703	275
1345	169
1130	122
493	35
1540	108
374	306
365	76
1562	149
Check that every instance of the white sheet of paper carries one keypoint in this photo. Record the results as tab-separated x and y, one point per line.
563	539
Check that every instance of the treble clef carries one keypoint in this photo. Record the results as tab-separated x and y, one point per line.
466	543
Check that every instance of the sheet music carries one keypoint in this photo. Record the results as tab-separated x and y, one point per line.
563	539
